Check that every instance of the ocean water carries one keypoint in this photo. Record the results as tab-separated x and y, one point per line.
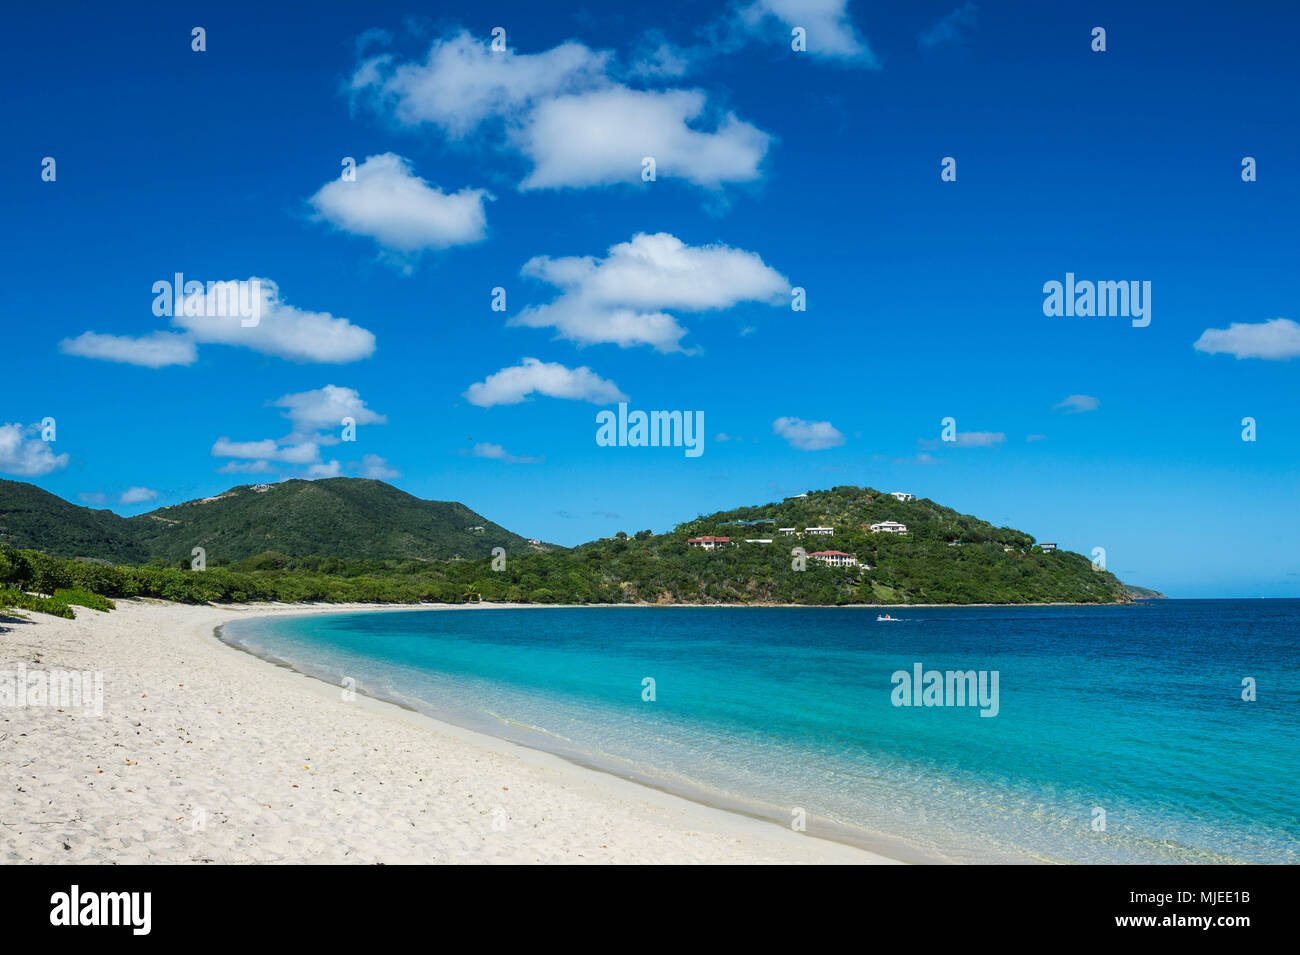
1131	712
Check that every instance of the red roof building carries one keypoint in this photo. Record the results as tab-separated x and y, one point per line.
835	558
708	542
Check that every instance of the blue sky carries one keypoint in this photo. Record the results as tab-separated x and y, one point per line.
522	169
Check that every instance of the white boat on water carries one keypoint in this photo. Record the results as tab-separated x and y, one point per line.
886	619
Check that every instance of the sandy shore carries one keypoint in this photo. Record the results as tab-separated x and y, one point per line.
208	754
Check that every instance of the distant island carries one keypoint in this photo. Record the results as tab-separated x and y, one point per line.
358	540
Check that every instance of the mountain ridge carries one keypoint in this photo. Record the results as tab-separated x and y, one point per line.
350	536
353	517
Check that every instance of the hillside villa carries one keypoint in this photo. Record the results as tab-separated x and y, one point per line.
819	531
903	496
707	542
1047	548
889	527
835	558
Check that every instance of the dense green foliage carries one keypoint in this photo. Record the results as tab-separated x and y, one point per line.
268	577
350	517
31	517
83	598
17	599
945	557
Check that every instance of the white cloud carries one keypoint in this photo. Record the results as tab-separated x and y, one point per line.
659	58
305	452
622	298
399	210
315	415
830	30
951	28
281	329
808	435
23	453
225	448
601	137
213	316
373	466
137	495
564	110
580	321
324	409
462	82
512	385
1274	340
1075	404
324	469
151	351
495	452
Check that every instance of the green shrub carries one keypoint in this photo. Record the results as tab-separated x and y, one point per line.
22	600
84	598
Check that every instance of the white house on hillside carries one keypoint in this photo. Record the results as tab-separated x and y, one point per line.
708	543
1048	548
836	558
903	496
889	527
819	531
787	531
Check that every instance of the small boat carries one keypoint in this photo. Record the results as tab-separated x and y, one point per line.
886	618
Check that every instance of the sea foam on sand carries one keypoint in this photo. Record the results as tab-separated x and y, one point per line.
208	754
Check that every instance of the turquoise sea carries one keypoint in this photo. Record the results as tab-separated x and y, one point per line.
1135	711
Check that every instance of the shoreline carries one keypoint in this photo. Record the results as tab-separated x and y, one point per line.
205	754
503	605
889	847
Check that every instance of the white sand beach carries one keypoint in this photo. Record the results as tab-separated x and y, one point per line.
205	753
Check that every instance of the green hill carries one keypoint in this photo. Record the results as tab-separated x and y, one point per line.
335	517
31	517
1145	593
945	557
346	539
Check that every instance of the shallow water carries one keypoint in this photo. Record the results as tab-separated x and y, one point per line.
1135	711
